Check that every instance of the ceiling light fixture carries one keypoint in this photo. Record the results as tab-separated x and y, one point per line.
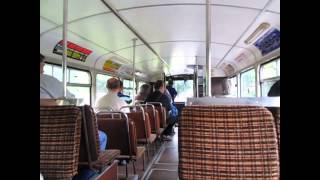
260	29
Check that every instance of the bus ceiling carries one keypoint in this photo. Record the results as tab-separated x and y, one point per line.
171	35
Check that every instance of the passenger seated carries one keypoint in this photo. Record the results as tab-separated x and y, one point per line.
51	88
275	89
159	96
126	98
111	101
143	93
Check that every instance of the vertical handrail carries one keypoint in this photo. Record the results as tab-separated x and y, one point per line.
134	41
208	48
65	47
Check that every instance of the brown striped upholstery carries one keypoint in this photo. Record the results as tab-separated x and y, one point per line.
227	143
60	129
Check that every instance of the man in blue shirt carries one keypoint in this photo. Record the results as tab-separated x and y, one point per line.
172	90
126	98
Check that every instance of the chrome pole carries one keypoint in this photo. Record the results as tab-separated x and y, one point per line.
196	77
65	47
208	48
134	41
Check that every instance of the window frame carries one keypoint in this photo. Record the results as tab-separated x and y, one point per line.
76	84
241	84
275	78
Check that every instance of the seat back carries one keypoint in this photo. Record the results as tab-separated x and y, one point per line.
89	146
60	132
162	113
227	142
153	116
142	123
121	131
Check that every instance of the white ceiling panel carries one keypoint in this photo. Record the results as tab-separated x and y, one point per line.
272	18
53	9
168	23
105	30
229	23
45	25
188	23
274	6
121	4
259	4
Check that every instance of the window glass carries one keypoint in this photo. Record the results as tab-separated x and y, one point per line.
81	93
57	72
101	85
248	84
233	86
265	87
128	88
270	70
79	77
47	69
184	90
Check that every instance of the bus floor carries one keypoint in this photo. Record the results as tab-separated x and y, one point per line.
163	164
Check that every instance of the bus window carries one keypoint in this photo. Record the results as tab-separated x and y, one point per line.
248	85
184	89
233	86
78	81
101	85
79	84
269	74
128	88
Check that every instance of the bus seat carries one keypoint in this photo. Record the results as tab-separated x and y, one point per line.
144	135
227	142
60	131
90	154
121	135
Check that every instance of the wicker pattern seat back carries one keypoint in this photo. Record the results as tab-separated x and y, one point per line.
60	132
227	143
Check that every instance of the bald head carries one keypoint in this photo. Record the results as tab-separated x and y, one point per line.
113	84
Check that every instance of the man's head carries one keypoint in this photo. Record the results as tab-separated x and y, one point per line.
159	85
113	84
170	83
41	63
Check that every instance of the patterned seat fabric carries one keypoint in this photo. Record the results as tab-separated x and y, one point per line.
60	130
227	143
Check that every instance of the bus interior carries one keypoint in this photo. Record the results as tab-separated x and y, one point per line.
223	57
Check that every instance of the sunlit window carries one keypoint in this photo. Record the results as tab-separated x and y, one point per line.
79	83
269	74
101	82
248	88
184	90
128	88
233	86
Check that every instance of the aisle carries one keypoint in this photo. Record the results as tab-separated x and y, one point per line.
165	165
